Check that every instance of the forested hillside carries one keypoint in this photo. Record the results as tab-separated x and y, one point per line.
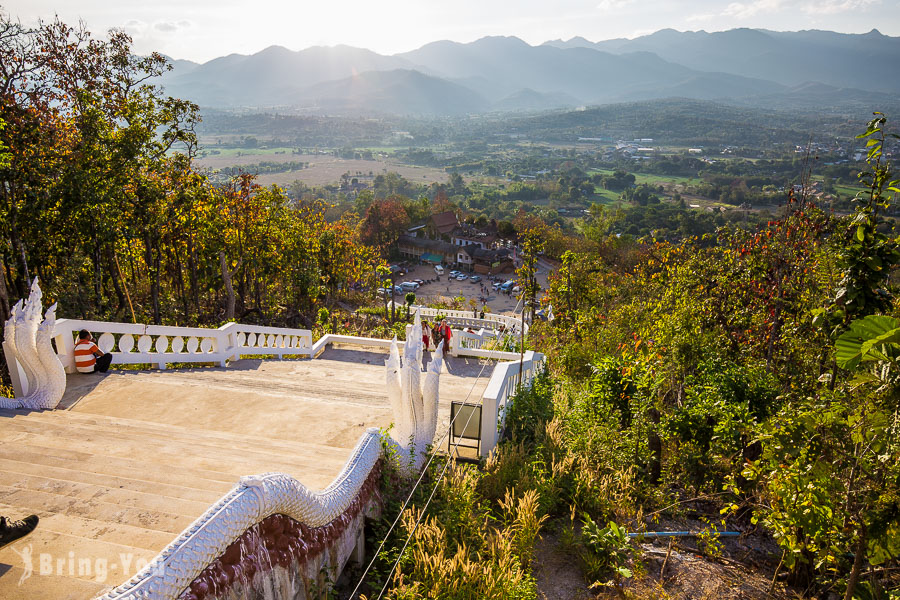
100	200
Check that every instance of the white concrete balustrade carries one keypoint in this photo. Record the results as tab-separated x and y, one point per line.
466	318
159	345
506	380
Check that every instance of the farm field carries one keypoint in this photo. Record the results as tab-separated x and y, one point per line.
322	169
606	196
647	177
230	156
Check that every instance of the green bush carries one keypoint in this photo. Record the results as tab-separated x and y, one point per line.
529	409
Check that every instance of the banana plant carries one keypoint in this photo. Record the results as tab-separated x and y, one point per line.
873	341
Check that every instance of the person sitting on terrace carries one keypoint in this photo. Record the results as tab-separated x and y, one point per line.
88	357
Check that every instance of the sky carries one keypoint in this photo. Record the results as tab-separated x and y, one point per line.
200	30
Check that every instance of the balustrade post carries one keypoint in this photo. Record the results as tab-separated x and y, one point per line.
65	345
489	415
227	340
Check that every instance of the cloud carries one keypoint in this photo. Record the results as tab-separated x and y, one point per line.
134	27
700	18
832	7
170	26
611	5
743	10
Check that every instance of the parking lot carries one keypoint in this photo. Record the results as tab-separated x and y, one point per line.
447	287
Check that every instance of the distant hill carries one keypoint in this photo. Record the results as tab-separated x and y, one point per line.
530	100
864	61
747	67
589	75
677	120
272	76
400	92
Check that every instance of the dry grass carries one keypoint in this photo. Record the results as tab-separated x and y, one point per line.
476	558
322	169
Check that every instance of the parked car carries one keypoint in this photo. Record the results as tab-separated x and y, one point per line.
409	286
496	285
398	289
383	291
506	285
462	277
454	273
476	278
419	281
439	269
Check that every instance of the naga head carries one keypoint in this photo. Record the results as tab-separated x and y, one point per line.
9	329
49	319
32	310
50	315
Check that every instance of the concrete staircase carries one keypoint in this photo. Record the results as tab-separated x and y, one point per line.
111	492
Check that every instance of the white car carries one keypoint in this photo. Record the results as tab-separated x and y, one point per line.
439	269
462	277
454	273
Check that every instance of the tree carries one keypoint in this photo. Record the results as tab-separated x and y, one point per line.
830	475
5	156
532	245
441	202
410	300
506	229
383	223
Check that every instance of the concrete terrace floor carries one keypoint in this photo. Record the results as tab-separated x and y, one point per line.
136	456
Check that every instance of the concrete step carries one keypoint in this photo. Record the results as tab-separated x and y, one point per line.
75	473
199	437
225	465
76	557
27	501
15	586
155	450
117	496
117	533
132	468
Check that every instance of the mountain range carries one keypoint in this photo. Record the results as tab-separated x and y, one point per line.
810	69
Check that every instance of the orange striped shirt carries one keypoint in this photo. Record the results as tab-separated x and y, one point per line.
84	356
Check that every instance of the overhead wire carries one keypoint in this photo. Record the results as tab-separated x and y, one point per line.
437	482
415	486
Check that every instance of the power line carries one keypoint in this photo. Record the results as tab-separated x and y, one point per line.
427	502
416	485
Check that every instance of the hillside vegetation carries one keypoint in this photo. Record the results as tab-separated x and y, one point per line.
743	381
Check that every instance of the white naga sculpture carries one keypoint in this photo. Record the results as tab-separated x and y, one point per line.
253	499
28	340
414	405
